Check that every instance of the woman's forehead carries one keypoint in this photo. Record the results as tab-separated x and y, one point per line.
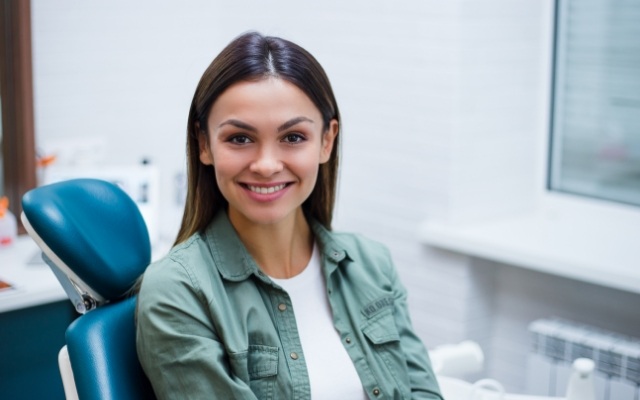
269	98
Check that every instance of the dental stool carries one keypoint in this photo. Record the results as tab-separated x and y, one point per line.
94	239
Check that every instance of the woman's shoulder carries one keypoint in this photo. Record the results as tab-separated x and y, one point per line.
366	259
360	248
180	265
358	242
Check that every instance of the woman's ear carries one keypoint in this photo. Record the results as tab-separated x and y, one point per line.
203	144
328	139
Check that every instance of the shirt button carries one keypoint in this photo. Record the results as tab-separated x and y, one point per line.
282	307
376	392
294	355
348	340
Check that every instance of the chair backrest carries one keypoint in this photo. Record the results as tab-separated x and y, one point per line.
96	242
102	344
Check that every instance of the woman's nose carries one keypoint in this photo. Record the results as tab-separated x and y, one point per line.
266	163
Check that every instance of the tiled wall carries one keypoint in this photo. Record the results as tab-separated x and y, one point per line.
442	104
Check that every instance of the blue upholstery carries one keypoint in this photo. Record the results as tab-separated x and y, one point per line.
95	228
102	343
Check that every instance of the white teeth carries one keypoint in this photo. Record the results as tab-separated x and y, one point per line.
266	190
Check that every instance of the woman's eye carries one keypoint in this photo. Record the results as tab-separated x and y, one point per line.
294	138
240	139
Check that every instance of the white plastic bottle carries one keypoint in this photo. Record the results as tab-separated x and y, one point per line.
8	224
581	385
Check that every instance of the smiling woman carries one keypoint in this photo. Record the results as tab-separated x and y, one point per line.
259	298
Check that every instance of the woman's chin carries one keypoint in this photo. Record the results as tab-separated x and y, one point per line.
263	217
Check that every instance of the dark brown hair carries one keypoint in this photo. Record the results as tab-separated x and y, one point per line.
252	57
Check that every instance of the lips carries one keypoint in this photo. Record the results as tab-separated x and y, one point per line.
266	189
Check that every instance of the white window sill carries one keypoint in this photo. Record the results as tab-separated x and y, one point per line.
582	241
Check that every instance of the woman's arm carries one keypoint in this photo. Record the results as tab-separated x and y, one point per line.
422	379
177	343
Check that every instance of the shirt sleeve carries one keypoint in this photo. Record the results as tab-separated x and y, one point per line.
422	379
176	340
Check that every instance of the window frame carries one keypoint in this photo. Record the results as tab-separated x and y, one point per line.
16	91
561	15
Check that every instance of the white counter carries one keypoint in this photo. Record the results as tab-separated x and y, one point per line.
586	245
33	281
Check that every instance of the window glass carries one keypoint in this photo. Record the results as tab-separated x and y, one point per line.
595	142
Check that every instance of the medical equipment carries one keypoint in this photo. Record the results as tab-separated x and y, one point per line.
452	361
95	240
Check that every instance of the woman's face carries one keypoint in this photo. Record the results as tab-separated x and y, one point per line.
266	143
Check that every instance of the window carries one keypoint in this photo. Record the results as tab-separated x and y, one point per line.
595	124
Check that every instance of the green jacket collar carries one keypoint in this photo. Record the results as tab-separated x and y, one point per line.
236	264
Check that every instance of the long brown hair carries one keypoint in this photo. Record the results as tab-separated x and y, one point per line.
252	57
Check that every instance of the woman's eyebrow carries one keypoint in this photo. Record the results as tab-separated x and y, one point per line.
283	127
293	122
238	124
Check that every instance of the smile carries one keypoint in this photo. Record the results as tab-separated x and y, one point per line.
266	190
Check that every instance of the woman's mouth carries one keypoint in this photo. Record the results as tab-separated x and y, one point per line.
265	189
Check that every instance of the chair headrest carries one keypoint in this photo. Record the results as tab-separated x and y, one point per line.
94	228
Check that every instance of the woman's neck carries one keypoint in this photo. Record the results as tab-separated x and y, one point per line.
281	250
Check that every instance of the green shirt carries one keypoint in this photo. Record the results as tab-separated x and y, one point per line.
211	324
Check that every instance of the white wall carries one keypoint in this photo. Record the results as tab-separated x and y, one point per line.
124	72
443	103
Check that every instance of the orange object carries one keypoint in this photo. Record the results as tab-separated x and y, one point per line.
4	205
45	161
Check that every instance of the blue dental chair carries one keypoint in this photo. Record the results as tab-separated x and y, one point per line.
94	239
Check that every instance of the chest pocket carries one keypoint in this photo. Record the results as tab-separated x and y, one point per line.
257	366
382	332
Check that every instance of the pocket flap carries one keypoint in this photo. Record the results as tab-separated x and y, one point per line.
263	361
258	361
382	329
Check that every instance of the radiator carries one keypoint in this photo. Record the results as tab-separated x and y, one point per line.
555	343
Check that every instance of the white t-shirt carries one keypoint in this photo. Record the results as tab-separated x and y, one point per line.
332	374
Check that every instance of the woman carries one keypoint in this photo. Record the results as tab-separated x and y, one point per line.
259	299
